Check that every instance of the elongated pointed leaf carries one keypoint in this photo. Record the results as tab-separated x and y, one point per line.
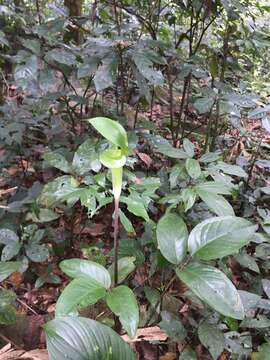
125	267
217	203
214	288
220	236
193	168
123	303
77	338
79	293
89	270
8	267
214	187
112	131
172	237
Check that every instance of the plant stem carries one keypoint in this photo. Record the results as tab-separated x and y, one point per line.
115	238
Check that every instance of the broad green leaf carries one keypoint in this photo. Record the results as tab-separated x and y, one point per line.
259	322
57	160
8	236
189	147
7	268
59	189
104	76
172	326
145	67
217	203
123	303
126	222
125	267
135	207
61	56
170	151
212	338
10	250
89	270
188	196
214	187
79	293
112	131
44	215
77	338
209	157
231	169
219	236
247	261
172	237
37	252
193	168
112	158
86	158
214	288
204	105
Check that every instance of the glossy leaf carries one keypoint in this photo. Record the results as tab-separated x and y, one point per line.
125	267
214	187
220	236
214	288
79	293
112	131
77	338
123	303
172	237
86	269
217	203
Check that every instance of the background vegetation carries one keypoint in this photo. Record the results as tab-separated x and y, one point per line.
188	80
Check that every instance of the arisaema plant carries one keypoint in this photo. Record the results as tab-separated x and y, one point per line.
113	158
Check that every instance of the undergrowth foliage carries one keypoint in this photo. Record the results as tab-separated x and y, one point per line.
138	112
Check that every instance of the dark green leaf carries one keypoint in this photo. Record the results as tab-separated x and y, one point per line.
172	237
78	294
76	338
89	270
217	203
220	236
125	267
173	326
123	303
211	338
214	288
